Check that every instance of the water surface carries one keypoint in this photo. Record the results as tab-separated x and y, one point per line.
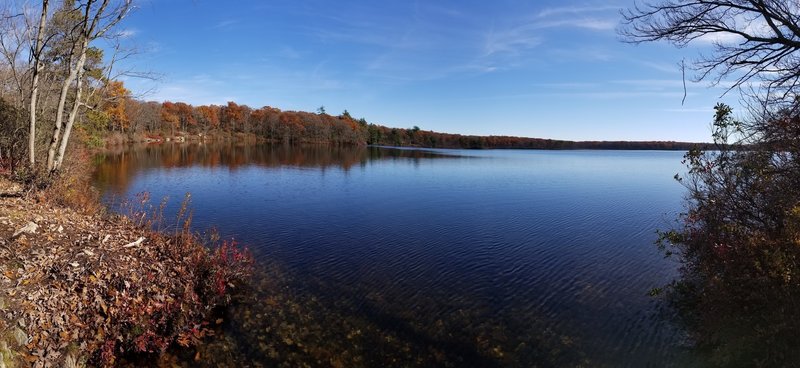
383	256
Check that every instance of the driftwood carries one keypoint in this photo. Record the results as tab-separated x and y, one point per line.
133	244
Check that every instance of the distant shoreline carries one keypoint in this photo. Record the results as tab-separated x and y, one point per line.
179	121
439	141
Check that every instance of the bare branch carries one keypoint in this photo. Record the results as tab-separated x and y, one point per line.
753	40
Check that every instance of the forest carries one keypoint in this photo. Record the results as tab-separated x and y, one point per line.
130	119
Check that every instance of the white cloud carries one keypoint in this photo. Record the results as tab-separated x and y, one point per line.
528	34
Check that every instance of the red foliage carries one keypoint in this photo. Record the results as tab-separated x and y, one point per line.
227	263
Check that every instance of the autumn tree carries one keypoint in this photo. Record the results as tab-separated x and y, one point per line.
114	104
169	115
144	116
185	115
209	116
291	126
258	118
232	115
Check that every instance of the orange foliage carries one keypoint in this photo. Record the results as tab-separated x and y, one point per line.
116	96
169	114
184	112
232	114
209	115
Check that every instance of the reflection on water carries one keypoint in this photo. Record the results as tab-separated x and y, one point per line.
117	166
389	257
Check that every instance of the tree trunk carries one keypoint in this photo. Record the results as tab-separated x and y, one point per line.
75	107
62	101
37	66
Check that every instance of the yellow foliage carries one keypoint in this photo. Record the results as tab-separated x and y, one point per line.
116	96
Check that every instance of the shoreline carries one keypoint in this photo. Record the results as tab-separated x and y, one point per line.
470	142
92	288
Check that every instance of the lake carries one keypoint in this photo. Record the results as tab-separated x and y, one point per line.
373	256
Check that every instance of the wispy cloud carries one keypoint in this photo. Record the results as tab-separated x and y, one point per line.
526	33
527	36
672	68
693	110
607	90
587	53
128	33
513	40
567	85
225	24
593	95
290	53
577	17
192	92
572	10
654	83
587	23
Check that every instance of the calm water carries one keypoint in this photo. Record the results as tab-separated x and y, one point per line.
379	256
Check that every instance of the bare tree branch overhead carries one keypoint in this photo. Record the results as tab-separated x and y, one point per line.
755	41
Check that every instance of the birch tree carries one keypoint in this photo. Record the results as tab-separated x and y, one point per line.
97	18
36	53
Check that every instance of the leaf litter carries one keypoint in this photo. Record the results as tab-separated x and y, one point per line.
91	289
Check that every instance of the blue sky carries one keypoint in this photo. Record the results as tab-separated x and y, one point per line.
550	69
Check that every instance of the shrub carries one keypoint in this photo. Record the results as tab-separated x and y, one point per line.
13	137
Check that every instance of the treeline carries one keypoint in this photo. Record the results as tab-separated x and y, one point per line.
415	137
154	120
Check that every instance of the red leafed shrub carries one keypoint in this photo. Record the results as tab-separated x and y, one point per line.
168	292
227	264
